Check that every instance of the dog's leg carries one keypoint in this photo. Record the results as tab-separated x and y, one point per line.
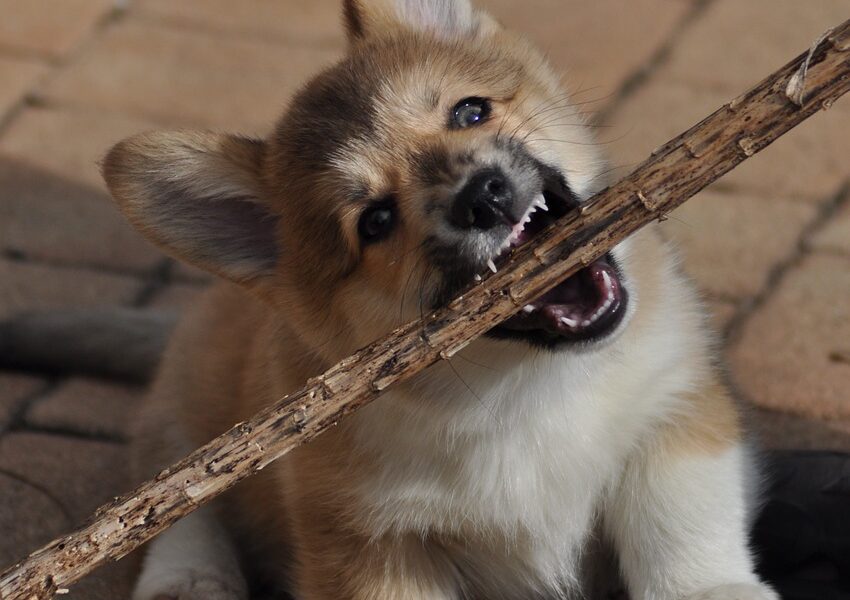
679	517
193	560
347	566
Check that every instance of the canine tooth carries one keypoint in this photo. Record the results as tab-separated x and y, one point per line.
528	308
477	277
491	264
607	279
568	322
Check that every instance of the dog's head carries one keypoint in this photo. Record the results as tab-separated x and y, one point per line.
394	179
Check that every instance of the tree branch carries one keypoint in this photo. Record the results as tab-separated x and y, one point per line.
673	173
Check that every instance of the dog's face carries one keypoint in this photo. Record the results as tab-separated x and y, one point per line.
395	179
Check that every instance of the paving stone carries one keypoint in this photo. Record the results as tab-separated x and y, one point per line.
89	406
68	142
794	352
37	287
29	518
730	243
735	44
835	235
807	164
83	474
17	77
13	390
782	431
187	78
598	46
77	477
288	20
49	27
46	217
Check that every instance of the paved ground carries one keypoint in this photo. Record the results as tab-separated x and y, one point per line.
769	245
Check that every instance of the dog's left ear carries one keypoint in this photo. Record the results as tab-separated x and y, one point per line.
444	18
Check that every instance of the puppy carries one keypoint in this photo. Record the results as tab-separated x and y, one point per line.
592	424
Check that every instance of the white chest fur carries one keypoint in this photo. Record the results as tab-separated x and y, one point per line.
516	445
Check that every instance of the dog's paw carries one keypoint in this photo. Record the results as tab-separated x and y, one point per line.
190	585
737	591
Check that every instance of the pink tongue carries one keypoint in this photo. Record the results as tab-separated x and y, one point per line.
575	304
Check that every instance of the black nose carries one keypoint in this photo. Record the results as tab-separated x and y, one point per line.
485	201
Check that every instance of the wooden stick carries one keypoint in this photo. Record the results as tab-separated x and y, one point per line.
673	173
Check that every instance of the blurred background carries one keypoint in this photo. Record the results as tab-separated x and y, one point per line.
769	245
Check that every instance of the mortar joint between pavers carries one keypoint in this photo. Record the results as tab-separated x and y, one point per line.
826	211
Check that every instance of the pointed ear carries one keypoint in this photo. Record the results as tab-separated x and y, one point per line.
197	196
444	18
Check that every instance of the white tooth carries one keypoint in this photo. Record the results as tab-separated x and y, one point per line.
491	264
607	279
477	277
528	308
586	322
540	202
568	322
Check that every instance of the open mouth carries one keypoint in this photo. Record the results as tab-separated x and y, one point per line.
587	306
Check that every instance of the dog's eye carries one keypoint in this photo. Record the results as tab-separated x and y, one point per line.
469	112
377	221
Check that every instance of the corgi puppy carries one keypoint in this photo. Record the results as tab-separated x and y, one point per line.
590	430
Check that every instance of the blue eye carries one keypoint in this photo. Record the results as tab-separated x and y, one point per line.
469	112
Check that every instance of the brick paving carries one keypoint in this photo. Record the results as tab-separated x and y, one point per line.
769	246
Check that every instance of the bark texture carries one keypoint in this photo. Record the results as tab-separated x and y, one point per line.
674	173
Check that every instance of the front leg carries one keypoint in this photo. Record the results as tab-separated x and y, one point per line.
679	518
333	562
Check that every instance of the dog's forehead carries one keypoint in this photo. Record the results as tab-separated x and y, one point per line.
367	97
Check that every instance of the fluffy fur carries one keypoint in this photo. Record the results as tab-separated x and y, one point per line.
507	473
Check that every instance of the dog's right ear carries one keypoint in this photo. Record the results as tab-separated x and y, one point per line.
198	196
443	18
